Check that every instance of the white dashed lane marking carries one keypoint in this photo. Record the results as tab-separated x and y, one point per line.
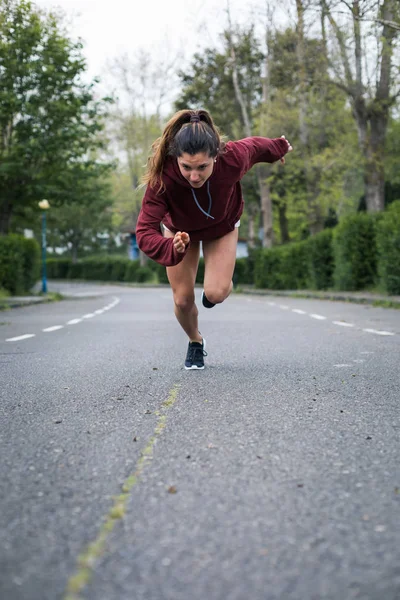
377	332
71	322
323	318
21	337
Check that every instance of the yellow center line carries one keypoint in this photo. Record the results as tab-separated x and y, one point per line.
94	550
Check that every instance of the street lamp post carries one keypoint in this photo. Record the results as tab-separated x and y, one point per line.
44	205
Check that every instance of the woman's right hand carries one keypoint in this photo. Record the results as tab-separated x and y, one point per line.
181	240
289	148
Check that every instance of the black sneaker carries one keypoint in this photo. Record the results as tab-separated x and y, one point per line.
195	355
205	301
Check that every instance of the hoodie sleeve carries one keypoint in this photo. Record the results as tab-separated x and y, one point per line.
148	234
252	150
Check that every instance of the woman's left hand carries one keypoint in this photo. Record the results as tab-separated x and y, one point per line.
289	149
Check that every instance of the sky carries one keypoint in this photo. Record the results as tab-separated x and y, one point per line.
171	30
111	28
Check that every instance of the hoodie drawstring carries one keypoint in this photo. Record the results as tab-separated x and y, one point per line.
209	204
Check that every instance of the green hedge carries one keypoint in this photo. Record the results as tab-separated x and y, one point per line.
19	263
320	260
282	268
102	269
354	247
31	262
388	247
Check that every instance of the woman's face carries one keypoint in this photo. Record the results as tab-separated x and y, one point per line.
196	168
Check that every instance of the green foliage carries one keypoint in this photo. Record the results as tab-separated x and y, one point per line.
388	245
354	246
320	260
19	263
58	268
208	83
11	264
282	268
49	118
31	262
200	272
101	269
144	274
242	274
160	271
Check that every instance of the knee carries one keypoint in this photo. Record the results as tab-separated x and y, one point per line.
184	302
217	294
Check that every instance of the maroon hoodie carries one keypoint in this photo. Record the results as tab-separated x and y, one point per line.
205	213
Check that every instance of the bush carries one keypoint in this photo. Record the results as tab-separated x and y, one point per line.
282	268
388	248
12	263
118	268
58	268
19	263
31	263
131	271
144	274
354	248
320	260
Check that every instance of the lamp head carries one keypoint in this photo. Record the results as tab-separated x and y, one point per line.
44	204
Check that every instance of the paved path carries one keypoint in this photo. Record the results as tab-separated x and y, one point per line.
272	474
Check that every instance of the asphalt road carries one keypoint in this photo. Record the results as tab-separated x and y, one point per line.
274	474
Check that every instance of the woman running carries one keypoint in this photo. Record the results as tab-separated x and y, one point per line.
194	195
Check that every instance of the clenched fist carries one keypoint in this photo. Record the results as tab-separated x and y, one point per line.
289	149
181	240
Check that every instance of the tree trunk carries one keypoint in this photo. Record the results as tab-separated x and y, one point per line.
283	223
265	197
312	203
251	242
142	259
375	171
74	252
266	212
379	115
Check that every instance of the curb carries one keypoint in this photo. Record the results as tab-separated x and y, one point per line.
356	298
11	302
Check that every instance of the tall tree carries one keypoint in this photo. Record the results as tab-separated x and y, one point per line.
49	118
144	85
367	80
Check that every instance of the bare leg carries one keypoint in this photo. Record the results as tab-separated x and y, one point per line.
182	278
219	262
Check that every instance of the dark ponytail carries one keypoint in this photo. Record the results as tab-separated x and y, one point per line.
189	131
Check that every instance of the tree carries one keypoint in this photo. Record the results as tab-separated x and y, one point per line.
49	119
85	213
144	86
369	84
